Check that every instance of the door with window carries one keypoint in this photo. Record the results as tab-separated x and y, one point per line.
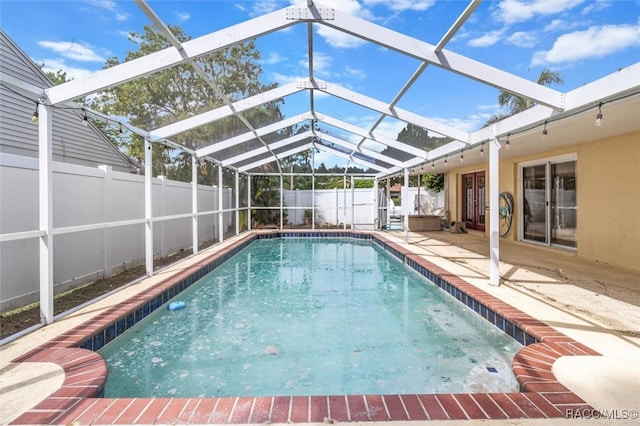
473	200
549	203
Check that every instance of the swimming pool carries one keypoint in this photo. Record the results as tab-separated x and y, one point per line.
311	316
80	399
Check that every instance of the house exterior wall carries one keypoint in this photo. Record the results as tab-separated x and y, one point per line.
72	141
608	199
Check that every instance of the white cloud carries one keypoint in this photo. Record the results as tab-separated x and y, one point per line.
596	7
390	128
283	79
595	42
354	73
522	39
489	39
402	5
555	24
54	65
273	58
261	7
121	17
322	65
512	11
339	39
72	50
467	124
104	4
563	25
182	16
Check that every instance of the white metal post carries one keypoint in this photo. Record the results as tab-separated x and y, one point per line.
237	192
353	205
337	202
194	204
45	184
344	199
313	197
249	202
376	207
148	207
161	227
281	198
405	205
494	221
220	204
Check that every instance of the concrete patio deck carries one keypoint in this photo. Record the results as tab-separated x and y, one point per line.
595	304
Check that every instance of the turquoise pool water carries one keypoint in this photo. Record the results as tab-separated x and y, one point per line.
311	317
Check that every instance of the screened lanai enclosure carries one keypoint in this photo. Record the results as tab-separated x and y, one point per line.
235	161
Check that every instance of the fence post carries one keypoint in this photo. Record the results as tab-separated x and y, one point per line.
194	204
107	216
45	189
249	219
148	207
160	229
237	200
220	205
337	201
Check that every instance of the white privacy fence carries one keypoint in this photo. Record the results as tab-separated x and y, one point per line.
99	221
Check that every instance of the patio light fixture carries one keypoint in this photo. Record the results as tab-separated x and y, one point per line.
544	130
507	144
433	164
599	116
482	150
462	156
85	119
35	117
445	160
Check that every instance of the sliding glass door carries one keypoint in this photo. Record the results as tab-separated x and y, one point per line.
549	203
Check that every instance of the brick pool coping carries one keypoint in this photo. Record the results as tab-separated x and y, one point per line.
79	399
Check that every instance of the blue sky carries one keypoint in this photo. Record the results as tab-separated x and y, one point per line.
582	39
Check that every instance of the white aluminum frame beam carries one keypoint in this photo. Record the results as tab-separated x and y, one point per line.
355	160
423	66
169	57
269	160
363	151
399	113
385	140
262	150
237	140
305	147
447	60
164	29
225	111
376	137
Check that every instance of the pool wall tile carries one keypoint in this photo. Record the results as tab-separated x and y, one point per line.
542	395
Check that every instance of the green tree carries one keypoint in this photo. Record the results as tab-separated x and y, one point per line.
57	77
515	104
179	92
433	181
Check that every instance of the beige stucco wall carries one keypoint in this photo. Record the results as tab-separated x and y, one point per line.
608	196
609	201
